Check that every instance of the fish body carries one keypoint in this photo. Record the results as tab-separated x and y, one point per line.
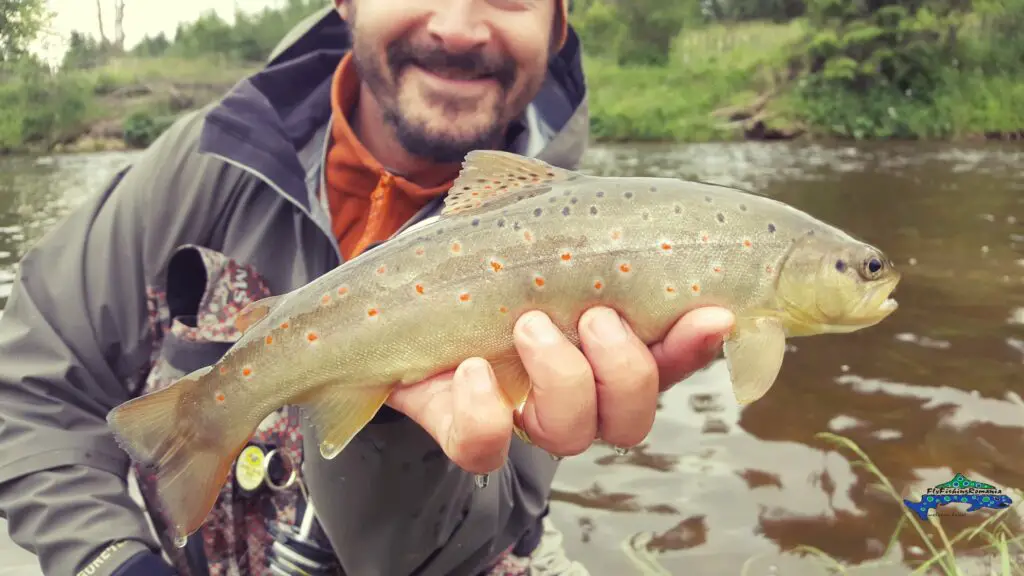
976	501
516	235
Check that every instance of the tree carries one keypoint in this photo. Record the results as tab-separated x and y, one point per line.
21	22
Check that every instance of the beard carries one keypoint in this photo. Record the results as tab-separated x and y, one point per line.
439	127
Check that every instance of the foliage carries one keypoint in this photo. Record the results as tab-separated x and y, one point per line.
634	32
20	22
141	128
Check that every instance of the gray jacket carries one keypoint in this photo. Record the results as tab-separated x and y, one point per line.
239	179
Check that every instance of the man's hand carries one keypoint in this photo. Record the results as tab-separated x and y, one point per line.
607	390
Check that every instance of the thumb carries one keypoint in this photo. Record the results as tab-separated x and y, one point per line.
481	425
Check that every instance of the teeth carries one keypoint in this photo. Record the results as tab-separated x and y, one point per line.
889	304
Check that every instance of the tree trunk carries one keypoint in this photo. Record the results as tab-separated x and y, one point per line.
99	17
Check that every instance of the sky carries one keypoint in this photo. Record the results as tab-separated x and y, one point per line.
141	17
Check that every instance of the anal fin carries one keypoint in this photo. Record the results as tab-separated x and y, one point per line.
339	412
514	382
754	355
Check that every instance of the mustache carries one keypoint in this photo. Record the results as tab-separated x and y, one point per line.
401	54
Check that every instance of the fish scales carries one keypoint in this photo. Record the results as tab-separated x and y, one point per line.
516	235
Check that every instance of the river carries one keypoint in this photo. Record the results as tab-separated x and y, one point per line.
932	391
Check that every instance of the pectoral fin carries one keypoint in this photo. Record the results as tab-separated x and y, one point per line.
515	384
754	356
339	412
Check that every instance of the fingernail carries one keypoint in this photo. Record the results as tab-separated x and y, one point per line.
478	373
540	329
606	325
712	319
713	344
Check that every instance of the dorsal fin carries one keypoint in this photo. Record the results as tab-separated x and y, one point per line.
254	312
491	178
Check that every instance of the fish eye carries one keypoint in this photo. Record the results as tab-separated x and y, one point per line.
872	267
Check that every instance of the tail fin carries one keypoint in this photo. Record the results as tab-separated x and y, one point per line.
918	508
190	462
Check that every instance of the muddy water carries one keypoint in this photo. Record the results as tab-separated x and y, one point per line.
932	391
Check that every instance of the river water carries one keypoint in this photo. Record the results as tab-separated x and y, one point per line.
932	391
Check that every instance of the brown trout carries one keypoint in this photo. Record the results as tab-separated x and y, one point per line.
515	235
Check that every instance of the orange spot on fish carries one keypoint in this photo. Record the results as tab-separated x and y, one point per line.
717	269
666	247
528	236
284	325
538	280
419	289
246	371
223	369
704	237
372	312
566	256
625	268
381	270
503	309
342	290
325	299
464	297
616	234
312	336
420	251
456	248
219	397
769	269
670	289
747	243
496	265
695	288
598	285
269	339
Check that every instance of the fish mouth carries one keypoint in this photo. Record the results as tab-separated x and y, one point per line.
878	302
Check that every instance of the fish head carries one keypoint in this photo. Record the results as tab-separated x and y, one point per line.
835	284
1003	501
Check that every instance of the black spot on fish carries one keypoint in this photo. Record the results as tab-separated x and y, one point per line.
646	215
720	217
771	228
678	209
593	210
840	266
440	231
653	188
810	232
572	178
573	200
707	199
516	226
501	222
628	195
538	212
552	200
600	193
565	211
475	222
743	207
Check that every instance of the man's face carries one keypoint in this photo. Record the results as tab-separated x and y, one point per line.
449	75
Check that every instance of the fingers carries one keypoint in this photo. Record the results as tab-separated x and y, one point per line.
465	414
560	415
626	374
691	344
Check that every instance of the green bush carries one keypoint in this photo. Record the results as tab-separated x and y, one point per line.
142	128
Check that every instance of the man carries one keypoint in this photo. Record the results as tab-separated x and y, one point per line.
314	160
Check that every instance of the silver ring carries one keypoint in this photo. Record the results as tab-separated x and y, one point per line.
292	477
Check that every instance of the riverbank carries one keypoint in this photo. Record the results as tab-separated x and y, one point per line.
722	83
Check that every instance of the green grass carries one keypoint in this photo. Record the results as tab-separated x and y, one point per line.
710	68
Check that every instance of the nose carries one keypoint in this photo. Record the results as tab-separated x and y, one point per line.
458	26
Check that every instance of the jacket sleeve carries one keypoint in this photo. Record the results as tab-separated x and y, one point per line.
75	338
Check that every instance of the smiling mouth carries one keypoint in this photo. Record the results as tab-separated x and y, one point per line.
455	74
